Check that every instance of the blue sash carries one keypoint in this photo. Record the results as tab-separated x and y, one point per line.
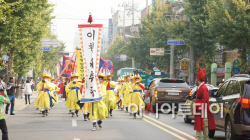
138	91
50	97
76	88
111	89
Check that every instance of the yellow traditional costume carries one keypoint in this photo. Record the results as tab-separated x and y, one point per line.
110	96
136	99
44	99
98	108
74	95
54	92
127	90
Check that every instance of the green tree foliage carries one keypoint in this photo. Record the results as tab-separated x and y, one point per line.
198	34
157	28
230	19
22	31
118	47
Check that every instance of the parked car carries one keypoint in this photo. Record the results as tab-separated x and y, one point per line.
234	99
165	90
191	100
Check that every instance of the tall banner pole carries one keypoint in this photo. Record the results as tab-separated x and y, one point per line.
91	42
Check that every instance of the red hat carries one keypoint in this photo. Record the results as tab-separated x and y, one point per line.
201	74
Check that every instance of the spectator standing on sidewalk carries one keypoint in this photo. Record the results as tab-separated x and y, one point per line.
22	88
27	91
2	85
3	100
11	90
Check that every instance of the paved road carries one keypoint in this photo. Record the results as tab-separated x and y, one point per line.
28	124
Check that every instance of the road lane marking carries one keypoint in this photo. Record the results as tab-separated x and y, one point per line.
76	139
172	133
170	127
74	123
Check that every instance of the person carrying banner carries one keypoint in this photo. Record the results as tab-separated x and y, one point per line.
98	108
110	96
73	89
44	99
136	98
85	108
127	91
204	121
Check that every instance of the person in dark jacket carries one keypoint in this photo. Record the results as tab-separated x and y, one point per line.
11	90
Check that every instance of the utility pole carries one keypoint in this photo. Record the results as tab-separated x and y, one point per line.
133	16
133	62
147	7
172	50
124	22
125	6
172	62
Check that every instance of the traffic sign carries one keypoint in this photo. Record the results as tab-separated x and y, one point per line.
43	49
219	69
123	57
176	42
184	64
236	70
117	57
157	51
236	63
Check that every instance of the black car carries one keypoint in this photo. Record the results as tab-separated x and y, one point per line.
233	98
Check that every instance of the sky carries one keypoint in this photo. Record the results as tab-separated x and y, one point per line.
70	13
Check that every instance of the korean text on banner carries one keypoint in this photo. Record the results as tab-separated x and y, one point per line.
90	47
80	65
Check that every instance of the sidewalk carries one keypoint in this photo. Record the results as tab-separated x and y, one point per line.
20	103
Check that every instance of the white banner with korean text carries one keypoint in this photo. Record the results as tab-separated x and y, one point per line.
91	47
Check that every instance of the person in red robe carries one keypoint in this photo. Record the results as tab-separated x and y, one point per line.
204	118
61	86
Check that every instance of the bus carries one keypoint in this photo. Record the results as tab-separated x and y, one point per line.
127	71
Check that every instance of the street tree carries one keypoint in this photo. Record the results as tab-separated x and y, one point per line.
118	46
229	20
25	28
199	35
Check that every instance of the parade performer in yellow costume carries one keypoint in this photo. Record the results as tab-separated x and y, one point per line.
136	99
110	96
55	91
127	90
98	108
44	99
67	103
74	94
